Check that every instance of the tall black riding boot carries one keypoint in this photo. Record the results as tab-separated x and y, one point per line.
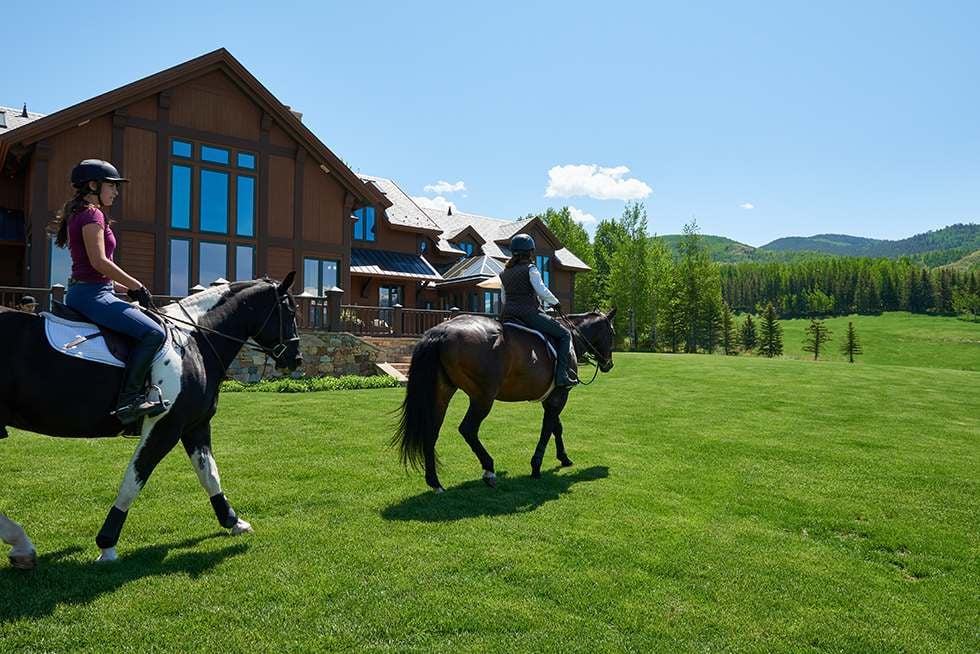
133	403
564	375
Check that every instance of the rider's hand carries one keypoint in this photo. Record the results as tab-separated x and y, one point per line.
142	296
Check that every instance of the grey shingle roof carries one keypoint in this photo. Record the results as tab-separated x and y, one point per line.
489	229
403	211
12	119
566	259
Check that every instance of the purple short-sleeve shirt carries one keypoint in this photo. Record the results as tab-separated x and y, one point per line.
81	267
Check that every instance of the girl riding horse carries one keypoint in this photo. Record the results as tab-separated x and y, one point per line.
82	227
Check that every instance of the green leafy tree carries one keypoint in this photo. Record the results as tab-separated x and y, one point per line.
574	237
816	336
728	340
851	345
629	271
747	334
609	235
770	333
661	269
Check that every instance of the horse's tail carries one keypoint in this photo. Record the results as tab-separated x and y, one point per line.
417	422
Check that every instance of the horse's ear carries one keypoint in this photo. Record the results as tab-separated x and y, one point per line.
287	283
611	314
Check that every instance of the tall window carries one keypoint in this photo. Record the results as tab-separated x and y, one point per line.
213	262
319	275
389	296
467	247
60	268
544	265
491	301
244	263
180	266
212	191
364	226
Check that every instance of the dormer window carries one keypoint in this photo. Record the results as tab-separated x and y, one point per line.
467	247
364	225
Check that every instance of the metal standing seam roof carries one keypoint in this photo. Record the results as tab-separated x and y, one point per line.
391	264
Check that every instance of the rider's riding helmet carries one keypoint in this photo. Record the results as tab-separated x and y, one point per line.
522	243
94	170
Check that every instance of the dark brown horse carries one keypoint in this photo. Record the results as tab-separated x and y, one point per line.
488	362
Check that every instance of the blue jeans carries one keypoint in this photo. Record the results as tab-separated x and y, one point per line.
97	303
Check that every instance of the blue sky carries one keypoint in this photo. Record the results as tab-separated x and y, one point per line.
859	118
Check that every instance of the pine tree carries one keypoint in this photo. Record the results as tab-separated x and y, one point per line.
851	346
816	336
728	330
771	336
747	334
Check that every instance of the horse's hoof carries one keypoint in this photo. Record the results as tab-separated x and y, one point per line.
566	462
438	490
108	555
490	479
241	527
23	561
536	472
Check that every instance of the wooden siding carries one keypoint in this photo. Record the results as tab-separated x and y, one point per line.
140	156
323	204
213	103
93	140
280	262
136	254
145	108
369	296
277	136
280	197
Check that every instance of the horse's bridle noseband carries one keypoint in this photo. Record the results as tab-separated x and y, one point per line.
600	361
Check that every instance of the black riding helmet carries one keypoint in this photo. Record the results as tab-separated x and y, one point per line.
522	243
94	170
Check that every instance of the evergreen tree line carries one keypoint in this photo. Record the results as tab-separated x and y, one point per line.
828	286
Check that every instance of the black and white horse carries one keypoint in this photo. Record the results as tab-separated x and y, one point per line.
47	392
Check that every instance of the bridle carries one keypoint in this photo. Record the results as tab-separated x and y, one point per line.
275	352
594	358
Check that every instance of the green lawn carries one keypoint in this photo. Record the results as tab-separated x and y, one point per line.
897	338
717	504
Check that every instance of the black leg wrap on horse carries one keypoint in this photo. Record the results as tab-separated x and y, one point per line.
225	514
108	536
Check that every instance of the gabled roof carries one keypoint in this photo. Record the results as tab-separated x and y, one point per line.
219	59
403	211
497	234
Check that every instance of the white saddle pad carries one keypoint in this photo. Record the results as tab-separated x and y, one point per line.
81	340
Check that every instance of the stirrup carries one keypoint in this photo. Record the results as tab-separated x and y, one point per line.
142	406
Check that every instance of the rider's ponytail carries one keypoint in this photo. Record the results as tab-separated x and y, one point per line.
59	226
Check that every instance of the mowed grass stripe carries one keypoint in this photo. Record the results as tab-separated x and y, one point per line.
716	503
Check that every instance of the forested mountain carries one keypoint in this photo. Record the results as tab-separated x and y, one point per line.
720	249
934	248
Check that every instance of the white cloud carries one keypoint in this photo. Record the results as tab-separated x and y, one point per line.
595	182
444	187
747	205
581	217
438	204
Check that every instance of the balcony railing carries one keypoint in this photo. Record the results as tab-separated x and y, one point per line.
325	313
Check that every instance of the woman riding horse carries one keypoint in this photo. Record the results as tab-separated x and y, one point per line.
83	228
521	290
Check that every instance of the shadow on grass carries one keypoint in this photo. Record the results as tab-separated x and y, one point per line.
61	578
474	498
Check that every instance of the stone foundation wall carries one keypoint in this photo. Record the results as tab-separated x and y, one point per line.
325	354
